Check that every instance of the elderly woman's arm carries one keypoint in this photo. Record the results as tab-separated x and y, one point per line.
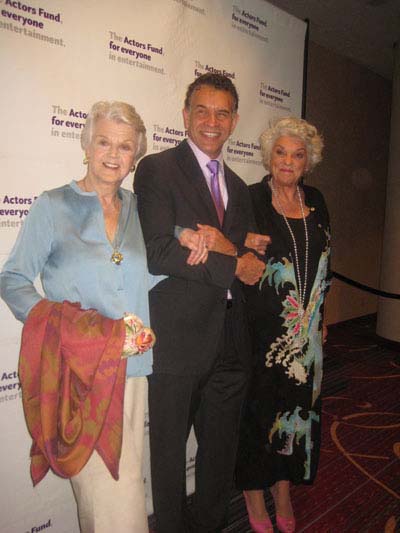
26	260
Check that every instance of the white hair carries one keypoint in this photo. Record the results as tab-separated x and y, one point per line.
119	112
293	127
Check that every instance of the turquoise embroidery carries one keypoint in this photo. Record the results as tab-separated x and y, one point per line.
295	427
300	346
298	350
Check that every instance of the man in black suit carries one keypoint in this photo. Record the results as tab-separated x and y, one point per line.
202	356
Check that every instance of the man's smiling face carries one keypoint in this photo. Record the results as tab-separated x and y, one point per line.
210	119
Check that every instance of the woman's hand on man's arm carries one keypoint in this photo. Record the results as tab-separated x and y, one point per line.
257	242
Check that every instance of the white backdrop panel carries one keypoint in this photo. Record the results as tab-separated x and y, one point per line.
57	58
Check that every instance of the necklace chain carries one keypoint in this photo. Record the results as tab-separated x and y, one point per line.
301	286
116	256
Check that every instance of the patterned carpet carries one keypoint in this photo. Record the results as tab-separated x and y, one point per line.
358	484
357	489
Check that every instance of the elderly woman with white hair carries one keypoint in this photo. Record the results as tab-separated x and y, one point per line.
280	431
84	401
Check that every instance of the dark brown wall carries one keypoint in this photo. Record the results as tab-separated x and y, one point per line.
350	105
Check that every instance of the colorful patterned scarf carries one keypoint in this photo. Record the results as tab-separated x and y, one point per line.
73	381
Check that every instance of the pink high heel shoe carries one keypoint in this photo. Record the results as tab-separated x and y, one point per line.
258	526
285	525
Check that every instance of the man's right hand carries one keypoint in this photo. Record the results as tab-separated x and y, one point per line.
195	242
249	269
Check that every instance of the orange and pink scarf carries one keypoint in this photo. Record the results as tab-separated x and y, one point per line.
73	381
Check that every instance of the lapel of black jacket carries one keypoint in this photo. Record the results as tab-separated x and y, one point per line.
232	192
276	220
197	185
309	200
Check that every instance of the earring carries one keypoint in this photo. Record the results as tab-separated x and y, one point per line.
85	160
132	168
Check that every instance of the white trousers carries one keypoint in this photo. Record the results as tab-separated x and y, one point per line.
106	505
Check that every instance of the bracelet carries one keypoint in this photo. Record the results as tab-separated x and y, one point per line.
138	338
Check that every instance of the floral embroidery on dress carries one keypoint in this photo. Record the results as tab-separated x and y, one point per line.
280	438
294	427
300	347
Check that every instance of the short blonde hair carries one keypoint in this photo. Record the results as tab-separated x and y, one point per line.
294	127
119	112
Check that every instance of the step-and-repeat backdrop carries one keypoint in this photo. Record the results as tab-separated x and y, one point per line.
57	58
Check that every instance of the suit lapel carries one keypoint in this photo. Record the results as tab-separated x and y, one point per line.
232	197
278	220
198	188
272	217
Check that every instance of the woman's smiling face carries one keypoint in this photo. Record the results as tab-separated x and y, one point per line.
288	160
112	151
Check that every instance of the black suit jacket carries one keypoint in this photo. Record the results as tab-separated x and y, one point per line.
188	308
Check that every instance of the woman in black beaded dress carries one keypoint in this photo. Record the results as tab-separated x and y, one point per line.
280	433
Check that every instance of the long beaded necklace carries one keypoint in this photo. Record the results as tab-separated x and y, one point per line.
301	286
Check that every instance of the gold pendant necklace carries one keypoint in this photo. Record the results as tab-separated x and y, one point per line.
117	257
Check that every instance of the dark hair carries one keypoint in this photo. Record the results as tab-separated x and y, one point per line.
217	81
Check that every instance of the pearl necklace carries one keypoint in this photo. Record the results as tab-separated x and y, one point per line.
301	287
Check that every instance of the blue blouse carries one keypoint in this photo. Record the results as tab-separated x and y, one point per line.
64	240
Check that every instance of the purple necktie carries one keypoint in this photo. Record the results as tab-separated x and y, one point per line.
212	166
